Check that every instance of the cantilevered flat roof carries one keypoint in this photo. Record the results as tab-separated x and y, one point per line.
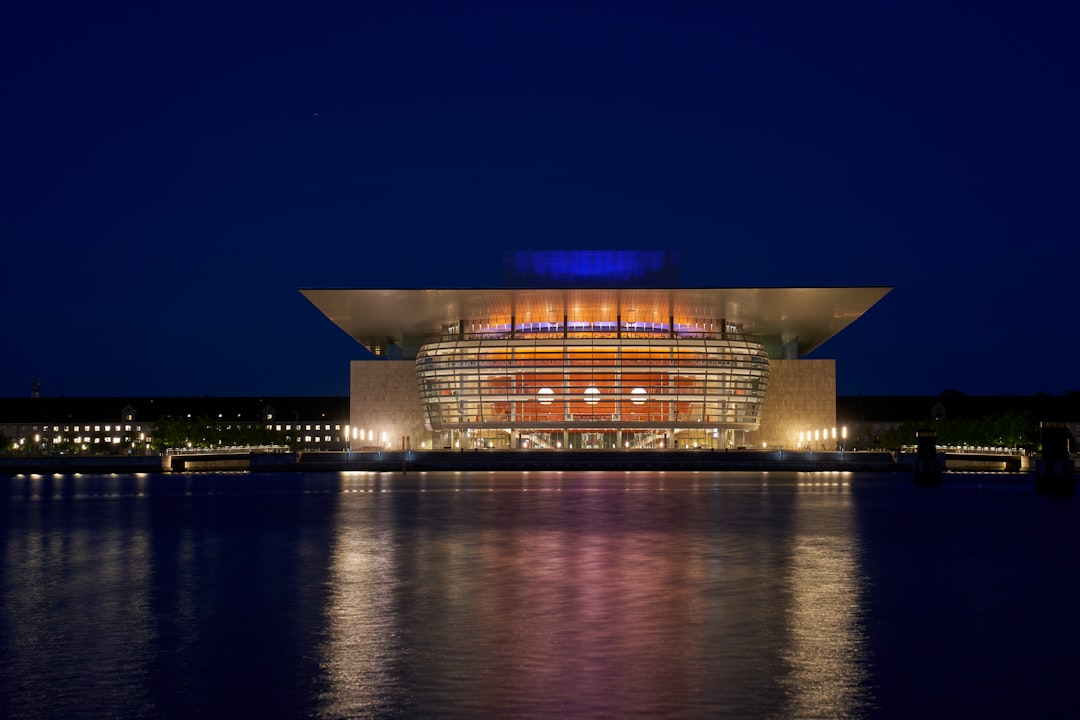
810	315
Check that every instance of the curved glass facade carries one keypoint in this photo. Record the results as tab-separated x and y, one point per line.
593	384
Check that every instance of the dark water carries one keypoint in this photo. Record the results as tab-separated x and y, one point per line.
536	595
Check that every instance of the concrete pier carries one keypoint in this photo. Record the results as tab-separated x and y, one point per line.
50	464
635	460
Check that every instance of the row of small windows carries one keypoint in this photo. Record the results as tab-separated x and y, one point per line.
138	428
89	428
307	427
108	439
486	327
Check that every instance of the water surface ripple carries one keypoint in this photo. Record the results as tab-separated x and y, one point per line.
535	595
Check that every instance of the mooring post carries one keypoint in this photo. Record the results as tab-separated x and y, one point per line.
928	466
1055	471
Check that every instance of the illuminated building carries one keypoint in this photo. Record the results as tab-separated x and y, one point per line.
590	349
127	425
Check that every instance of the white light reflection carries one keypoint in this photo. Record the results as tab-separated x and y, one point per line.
360	612
827	644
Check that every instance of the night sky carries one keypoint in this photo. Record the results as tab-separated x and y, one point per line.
172	174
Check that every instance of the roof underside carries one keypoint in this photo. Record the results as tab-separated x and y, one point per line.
809	315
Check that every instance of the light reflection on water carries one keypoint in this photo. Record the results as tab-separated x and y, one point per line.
529	595
358	651
621	595
827	646
62	601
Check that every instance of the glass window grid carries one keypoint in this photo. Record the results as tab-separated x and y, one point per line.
700	381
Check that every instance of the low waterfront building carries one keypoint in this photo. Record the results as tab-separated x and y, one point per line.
128	425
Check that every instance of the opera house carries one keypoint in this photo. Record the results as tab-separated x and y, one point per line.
592	349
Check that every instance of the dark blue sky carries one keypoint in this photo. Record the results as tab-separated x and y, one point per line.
172	174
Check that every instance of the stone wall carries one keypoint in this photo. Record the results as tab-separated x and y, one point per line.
383	399
801	397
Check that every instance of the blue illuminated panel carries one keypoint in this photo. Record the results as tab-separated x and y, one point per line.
591	269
